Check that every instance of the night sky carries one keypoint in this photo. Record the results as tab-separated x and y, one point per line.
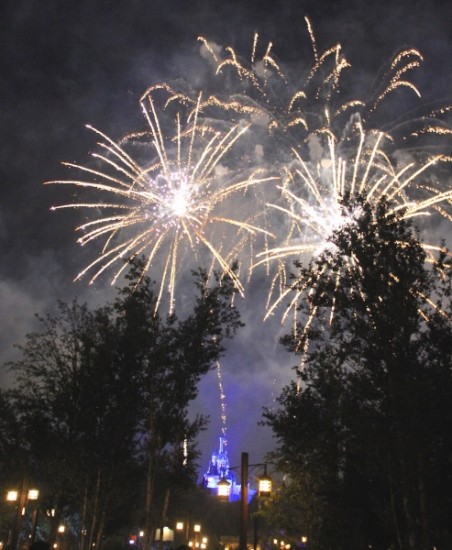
66	64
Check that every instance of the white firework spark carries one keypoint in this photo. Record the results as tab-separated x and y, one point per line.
177	200
314	207
182	192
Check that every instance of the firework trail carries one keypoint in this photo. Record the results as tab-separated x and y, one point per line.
255	167
288	107
314	207
173	202
222	402
281	157
327	146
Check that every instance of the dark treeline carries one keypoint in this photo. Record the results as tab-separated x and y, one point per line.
97	417
364	435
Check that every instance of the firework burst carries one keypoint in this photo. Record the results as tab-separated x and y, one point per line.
364	149
175	201
250	125
316	200
290	106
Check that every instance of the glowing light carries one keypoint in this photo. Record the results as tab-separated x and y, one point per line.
11	496
195	195
173	201
185	452
222	402
313	207
261	91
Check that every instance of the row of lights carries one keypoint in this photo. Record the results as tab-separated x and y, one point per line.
264	484
31	495
12	496
200	543
283	545
22	498
197	543
224	487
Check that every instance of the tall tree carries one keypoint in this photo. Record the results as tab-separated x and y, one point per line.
178	353
75	402
367	424
102	397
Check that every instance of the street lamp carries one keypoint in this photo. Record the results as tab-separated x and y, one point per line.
264	491
265	483
61	530
33	495
181	532
196	530
22	499
223	489
187	527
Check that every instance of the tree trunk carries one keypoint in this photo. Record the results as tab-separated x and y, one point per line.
164	516
150	477
100	533
95	514
423	504
394	507
84	514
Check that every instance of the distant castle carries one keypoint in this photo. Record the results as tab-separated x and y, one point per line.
218	469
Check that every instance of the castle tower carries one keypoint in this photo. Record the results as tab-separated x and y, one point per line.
218	467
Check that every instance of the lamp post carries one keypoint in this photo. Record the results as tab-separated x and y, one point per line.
194	543
264	490
60	537
22	499
223	488
196	531
180	531
33	495
243	501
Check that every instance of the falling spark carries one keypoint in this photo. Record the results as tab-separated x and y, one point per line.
185	452
311	142
314	207
261	91
296	118
172	203
222	401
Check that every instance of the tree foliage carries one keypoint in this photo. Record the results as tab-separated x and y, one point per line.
101	401
365	430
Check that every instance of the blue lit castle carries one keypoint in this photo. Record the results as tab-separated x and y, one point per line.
219	468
